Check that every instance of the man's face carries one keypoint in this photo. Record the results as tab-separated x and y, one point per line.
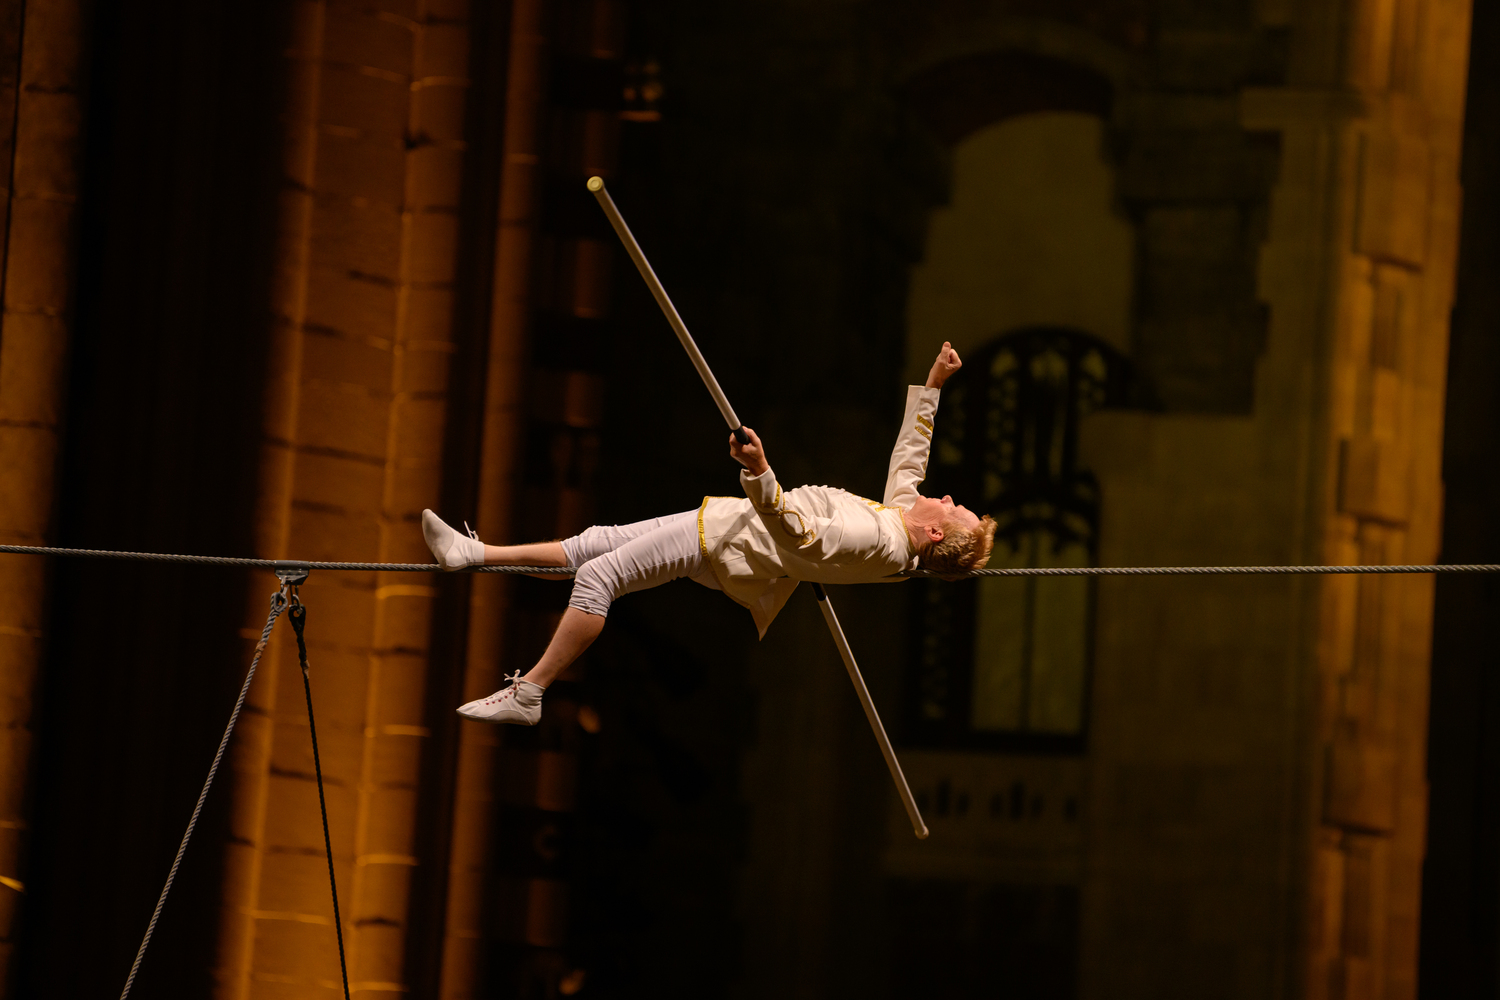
945	511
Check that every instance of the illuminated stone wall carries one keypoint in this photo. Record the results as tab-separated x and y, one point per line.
40	152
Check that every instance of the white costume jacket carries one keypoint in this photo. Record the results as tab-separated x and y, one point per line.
761	547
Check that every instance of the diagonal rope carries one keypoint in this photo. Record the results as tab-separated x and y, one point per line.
278	605
298	615
567	571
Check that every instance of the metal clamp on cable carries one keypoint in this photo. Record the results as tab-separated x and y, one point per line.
292	573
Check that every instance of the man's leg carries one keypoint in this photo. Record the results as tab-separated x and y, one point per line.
457	551
667	552
534	554
575	633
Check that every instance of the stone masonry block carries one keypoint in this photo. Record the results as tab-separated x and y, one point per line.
405	623
345	418
47	148
296	882
362	238
546	913
360	168
389	821
429	330
403	680
1360	783
434	177
448	10
434	247
39	267
397	760
53	34
444	52
334	481
350	305
293	948
380	956
407	10
27	456
471	824
341	617
402	538
411	490
239	857
18	669
357	38
340	740
294	821
438	111
1395	189
15	744
343	621
1374	480
340	684
374	108
324	531
419	432
329	358
32	353
272	986
426	370
385	893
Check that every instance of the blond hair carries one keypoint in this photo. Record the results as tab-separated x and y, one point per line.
960	550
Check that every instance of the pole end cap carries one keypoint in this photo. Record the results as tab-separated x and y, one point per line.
596	183
921	832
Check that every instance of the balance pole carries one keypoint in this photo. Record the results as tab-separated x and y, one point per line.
912	813
596	185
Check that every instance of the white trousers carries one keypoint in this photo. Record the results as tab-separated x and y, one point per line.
623	558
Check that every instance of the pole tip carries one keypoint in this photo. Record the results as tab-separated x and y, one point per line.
596	183
921	832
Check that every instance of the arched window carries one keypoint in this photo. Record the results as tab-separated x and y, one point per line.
1001	662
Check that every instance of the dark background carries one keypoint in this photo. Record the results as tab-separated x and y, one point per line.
166	369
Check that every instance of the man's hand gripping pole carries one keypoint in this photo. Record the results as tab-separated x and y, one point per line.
596	185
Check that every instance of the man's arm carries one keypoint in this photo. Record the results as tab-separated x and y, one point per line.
909	458
803	534
752	454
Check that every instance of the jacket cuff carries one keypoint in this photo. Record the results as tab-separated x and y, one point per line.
762	489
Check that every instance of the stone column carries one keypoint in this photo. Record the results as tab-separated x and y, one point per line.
40	132
1366	228
356	409
464	944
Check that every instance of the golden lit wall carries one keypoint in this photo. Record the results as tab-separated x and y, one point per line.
352	451
39	139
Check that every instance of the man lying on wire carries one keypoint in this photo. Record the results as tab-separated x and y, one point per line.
756	549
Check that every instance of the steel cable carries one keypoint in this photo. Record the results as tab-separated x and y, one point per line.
566	571
278	605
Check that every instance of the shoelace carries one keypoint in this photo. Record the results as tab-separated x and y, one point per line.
510	692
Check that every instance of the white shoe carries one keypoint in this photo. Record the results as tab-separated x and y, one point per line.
519	704
452	550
